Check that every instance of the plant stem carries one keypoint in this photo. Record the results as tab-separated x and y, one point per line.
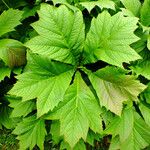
5	4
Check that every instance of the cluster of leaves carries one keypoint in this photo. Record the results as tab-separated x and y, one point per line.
75	72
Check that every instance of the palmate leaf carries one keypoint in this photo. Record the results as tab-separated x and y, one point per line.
78	112
113	87
100	3
109	39
9	20
45	80
133	131
31	132
61	34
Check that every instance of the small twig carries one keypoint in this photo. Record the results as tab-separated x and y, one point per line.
5	4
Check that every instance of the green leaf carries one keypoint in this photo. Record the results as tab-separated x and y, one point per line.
145	13
109	39
45	80
133	131
9	20
4	71
134	6
12	52
61	34
78	112
113	87
100	3
31	132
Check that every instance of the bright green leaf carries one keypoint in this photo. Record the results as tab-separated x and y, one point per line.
109	39
61	34
78	112
45	80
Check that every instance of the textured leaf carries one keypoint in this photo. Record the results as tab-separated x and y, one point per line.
145	13
9	20
109	39
78	112
45	80
133	131
12	52
113	87
61	34
31	132
4	71
134	6
100	3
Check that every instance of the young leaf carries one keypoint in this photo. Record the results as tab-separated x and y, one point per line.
145	13
134	6
45	80
78	112
9	20
113	87
61	34
31	132
109	39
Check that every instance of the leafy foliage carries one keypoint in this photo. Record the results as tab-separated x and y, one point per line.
75	73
